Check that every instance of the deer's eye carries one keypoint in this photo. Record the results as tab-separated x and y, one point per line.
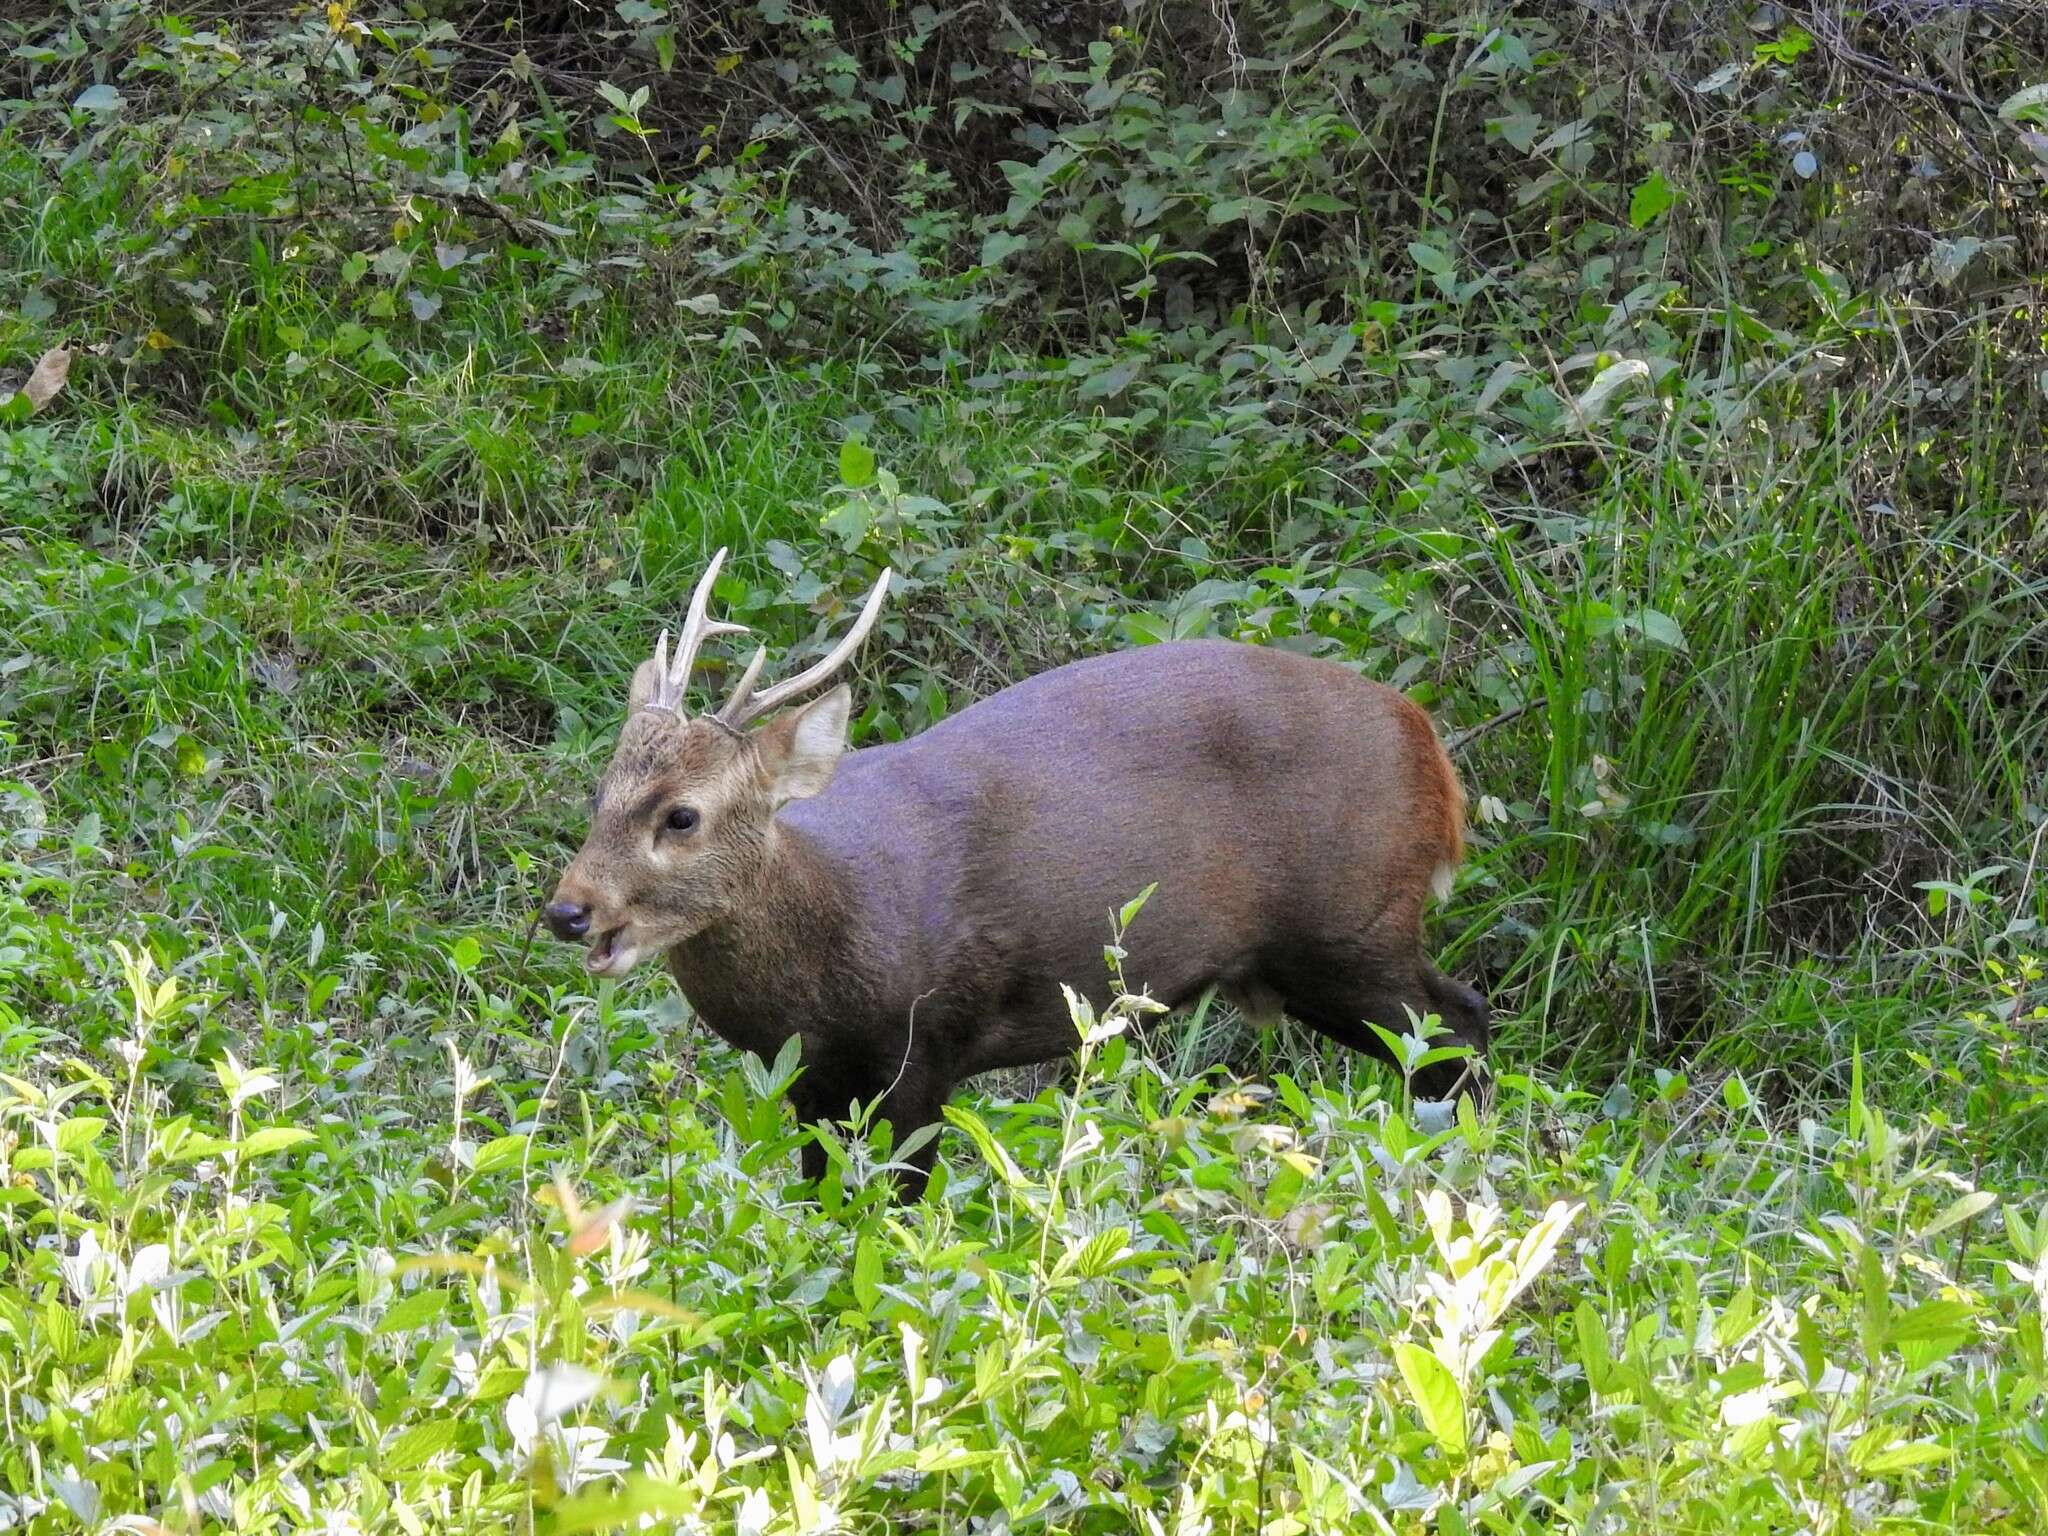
681	819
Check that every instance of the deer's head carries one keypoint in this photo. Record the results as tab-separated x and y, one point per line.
682	824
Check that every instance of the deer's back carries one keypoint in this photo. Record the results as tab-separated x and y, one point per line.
1260	791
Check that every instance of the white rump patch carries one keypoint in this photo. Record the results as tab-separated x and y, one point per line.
1440	883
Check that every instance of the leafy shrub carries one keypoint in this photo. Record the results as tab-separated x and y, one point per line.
1144	1304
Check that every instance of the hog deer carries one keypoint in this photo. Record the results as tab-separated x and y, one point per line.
911	910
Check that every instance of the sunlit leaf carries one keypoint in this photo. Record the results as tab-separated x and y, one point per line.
1435	1393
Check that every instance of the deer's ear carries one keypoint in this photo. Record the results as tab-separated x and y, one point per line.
800	747
645	676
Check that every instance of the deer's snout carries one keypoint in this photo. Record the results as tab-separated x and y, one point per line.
568	919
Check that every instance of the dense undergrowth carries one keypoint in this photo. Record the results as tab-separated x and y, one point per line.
1659	400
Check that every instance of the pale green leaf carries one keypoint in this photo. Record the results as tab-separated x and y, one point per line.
1436	1394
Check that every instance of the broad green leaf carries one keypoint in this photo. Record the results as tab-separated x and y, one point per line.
1539	1246
419	1444
1000	245
849	521
1972	1204
1937	1319
985	1142
1436	1394
414	1311
1590	1333
1104	1253
600	1506
1283	1191
856	463
1660	629
2029	104
499	1153
1131	908
74	1135
1113	380
1429	257
273	1138
1653	198
867	1272
1497	383
1902	1458
1608	384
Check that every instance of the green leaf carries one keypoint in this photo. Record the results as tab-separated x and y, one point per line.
500	1152
1939	1319
1607	384
1104	1253
75	1135
465	954
1429	257
849	521
2029	104
193	1146
1659	629
1653	198
1902	1458
856	463
1283	1192
1113	380
1131	908
985	1142
272	1138
1591	1334
867	1272
414	1311
1000	245
419	1444
1232	210
99	98
598	1506
1436	1394
1969	1205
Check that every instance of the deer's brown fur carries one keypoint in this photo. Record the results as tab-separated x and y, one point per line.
911	910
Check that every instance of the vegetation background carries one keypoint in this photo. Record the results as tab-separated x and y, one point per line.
1655	391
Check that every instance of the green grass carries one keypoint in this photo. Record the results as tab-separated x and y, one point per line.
316	629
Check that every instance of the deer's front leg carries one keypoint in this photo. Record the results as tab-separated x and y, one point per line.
912	1095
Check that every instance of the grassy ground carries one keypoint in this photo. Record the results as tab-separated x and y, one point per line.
314	639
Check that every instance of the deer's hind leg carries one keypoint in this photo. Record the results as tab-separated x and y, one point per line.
1341	991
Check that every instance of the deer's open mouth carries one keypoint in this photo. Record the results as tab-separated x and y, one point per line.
612	955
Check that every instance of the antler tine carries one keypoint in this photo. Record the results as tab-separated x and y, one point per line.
697	628
743	690
659	699
745	704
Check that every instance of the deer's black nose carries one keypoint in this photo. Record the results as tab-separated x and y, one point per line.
568	919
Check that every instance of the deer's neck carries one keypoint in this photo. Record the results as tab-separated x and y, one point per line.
782	960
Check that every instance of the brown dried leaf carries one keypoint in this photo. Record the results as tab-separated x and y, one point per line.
47	381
